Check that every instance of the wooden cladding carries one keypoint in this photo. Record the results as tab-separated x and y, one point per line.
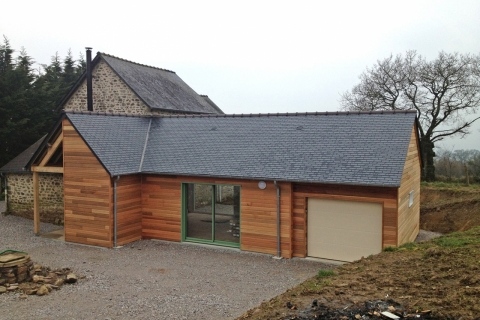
258	218
409	215
87	193
129	209
162	208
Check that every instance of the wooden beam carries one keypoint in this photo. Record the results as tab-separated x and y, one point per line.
47	169
51	150
36	205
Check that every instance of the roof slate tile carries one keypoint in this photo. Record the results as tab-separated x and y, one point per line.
361	149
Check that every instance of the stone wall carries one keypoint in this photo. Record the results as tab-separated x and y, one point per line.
110	94
20	195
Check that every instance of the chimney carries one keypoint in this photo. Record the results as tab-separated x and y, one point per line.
89	80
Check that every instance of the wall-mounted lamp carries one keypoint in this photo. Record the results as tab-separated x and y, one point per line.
262	185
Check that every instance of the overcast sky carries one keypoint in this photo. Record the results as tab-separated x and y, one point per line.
251	56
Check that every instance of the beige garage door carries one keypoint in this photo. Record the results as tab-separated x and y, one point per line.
343	230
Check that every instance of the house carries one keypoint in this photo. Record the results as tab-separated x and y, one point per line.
116	86
329	185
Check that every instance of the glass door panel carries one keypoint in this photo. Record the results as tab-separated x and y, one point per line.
199	211
227	222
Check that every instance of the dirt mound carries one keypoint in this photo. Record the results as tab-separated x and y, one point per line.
449	209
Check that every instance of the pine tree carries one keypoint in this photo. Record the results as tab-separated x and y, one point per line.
28	99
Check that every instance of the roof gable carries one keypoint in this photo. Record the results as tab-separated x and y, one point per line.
339	148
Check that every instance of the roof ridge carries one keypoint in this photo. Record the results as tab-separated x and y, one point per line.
287	114
129	61
98	113
242	115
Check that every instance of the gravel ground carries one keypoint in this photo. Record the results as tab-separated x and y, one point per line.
147	279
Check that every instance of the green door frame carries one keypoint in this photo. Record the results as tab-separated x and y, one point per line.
185	238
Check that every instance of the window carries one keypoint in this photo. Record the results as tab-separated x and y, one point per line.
410	199
211	213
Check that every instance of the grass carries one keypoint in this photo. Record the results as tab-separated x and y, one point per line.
459	239
324	273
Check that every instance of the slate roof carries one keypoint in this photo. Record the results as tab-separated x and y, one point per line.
159	89
18	164
338	148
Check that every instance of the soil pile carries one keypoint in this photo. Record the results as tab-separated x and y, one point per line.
450	208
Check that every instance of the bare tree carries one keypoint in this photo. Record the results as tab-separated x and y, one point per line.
445	164
445	93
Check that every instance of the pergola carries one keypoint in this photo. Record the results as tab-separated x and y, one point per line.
49	160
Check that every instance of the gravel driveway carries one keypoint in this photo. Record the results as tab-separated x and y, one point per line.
147	279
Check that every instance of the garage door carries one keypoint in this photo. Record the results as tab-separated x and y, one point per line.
343	230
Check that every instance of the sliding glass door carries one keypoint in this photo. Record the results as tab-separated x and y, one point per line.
211	213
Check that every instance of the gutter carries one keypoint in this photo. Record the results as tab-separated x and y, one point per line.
115	211
279	250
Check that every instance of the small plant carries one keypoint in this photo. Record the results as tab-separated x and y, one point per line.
390	249
323	273
450	242
409	246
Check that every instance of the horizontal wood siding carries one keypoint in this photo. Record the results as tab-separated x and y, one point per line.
161	212
161	208
129	209
258	218
409	216
87	193
301	192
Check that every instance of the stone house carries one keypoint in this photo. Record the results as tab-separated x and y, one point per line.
118	86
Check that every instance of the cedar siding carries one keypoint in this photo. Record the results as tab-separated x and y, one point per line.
409	216
162	211
258	218
87	193
129	209
301	192
161	208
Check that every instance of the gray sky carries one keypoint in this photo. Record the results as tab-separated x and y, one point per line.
251	56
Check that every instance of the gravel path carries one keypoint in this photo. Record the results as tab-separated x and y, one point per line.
147	279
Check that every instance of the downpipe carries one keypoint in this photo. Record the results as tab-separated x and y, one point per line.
115	211
279	250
